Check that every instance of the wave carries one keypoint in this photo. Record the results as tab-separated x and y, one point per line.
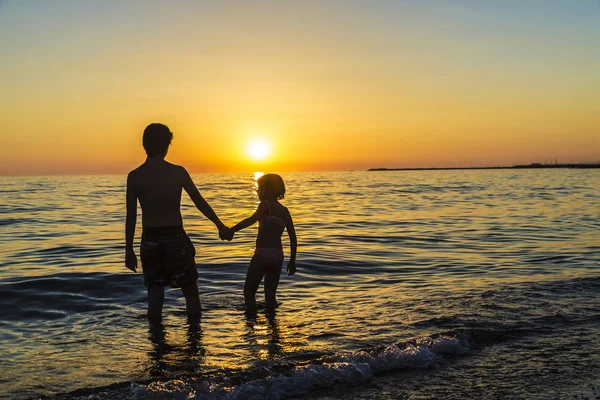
302	376
294	377
286	379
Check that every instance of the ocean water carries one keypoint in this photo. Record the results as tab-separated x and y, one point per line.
410	285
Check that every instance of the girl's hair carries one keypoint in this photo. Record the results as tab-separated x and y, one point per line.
272	186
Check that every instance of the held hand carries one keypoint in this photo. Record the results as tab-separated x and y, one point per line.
222	231
226	233
291	268
131	260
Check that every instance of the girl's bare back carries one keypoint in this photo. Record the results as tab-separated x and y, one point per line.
271	224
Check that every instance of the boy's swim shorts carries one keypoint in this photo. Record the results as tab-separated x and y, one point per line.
167	255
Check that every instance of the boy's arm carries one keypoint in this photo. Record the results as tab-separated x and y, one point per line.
262	207
130	221
291	267
200	203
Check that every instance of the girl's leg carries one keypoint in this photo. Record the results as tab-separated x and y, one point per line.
253	277
192	299
271	282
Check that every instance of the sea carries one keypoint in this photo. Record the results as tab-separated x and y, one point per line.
443	284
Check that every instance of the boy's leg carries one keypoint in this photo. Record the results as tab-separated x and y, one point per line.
192	299
253	278
271	283
156	296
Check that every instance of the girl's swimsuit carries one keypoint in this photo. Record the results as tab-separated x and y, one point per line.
271	257
274	219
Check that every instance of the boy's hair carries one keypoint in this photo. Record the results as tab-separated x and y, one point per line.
272	185
156	140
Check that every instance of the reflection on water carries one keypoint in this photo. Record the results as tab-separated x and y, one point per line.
175	358
256	176
263	334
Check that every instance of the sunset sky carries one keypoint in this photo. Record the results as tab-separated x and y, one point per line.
325	85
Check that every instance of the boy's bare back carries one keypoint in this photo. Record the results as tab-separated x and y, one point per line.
158	185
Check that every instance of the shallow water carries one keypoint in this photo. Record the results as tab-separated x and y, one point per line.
426	284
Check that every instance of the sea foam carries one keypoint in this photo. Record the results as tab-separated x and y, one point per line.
348	369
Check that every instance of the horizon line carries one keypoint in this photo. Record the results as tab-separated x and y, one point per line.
583	165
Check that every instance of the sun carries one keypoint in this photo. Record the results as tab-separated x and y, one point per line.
258	149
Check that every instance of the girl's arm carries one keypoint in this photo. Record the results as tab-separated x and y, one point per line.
260	210
291	267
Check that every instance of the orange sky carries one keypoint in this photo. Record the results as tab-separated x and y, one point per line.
331	87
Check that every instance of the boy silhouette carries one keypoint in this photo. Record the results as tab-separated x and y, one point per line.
166	252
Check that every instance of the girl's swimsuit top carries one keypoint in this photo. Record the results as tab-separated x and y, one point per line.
267	216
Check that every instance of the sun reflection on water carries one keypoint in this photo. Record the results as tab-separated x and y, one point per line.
258	175
266	336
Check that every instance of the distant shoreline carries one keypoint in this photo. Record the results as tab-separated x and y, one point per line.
530	166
